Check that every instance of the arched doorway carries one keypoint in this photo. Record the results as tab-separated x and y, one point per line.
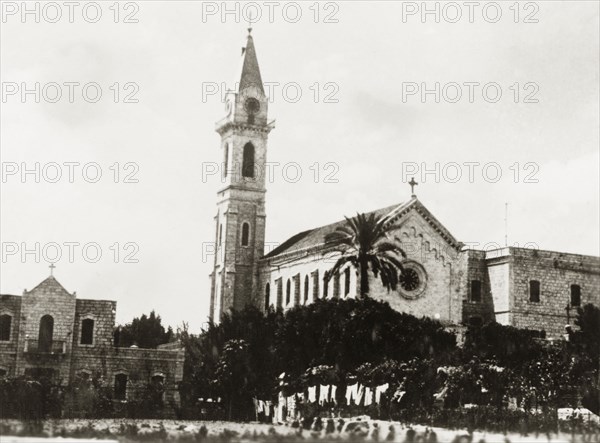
46	333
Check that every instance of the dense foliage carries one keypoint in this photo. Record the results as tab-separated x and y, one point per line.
336	334
344	341
146	331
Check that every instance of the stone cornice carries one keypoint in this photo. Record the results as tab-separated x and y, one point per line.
226	125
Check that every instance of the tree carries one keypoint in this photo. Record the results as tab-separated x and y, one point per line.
233	375
588	320
364	241
145	332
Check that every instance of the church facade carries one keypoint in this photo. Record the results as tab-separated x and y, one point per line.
526	288
50	333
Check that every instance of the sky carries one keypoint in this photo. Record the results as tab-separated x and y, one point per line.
485	107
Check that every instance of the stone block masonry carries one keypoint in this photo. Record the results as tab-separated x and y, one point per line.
46	339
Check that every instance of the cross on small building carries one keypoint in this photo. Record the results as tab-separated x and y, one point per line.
412	184
52	268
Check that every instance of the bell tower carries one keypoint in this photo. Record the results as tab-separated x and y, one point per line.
240	219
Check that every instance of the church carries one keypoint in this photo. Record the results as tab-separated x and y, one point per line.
526	288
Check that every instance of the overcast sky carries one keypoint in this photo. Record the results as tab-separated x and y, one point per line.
361	121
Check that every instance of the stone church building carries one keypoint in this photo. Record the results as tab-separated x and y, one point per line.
48	332
526	288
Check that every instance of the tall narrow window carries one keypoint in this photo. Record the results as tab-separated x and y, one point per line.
267	296
315	277
46	333
248	161
120	386
476	291
534	291
5	324
575	295
225	159
346	282
325	285
245	234
220	234
306	288
336	285
279	283
87	331
297	290
288	291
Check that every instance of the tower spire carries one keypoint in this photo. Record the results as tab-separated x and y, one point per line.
250	75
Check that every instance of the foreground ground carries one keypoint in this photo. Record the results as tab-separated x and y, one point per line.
358	429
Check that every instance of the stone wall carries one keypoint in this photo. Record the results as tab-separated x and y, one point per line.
103	313
473	267
48	298
100	359
10	305
140	365
556	272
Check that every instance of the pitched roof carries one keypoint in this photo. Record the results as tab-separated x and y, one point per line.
315	238
50	285
250	75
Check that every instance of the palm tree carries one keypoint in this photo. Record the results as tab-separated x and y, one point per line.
364	241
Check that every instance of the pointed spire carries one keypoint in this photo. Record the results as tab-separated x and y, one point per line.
250	71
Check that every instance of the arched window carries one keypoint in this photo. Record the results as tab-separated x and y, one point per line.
306	284
575	295
315	277
87	332
267	296
346	282
248	161
534	291
288	290
326	284
245	234
225	159
279	292
336	285
120	386
5	324
46	333
158	381
220	234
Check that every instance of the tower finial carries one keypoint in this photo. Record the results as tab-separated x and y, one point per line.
250	24
51	268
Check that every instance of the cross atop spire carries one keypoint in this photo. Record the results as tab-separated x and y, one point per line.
412	184
51	268
250	24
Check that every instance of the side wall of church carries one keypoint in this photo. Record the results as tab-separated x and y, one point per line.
425	249
556	272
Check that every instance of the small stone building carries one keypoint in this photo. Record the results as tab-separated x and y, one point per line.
48	332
